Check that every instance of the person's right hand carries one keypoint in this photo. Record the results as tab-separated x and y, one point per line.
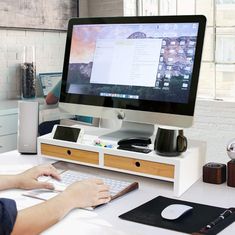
87	193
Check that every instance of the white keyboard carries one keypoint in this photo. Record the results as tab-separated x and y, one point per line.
116	187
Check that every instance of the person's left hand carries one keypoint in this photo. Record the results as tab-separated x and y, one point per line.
28	178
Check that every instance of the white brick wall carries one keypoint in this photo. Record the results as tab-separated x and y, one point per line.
214	123
49	56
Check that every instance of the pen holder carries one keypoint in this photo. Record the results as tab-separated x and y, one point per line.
231	173
214	173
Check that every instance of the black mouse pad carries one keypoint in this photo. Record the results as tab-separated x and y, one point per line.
150	214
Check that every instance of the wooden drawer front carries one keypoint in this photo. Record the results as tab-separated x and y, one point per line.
8	143
8	124
70	153
141	166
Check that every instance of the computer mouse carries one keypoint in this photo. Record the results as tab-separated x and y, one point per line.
175	211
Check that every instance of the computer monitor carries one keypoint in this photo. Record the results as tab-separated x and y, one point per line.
48	81
138	69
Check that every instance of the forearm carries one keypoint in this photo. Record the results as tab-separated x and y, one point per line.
8	182
38	218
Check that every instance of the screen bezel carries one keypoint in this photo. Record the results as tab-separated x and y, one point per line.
186	109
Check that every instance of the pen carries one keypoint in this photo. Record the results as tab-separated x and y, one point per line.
222	216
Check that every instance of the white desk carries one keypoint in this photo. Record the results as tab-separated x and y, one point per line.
104	220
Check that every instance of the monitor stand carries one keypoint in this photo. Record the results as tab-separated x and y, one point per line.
129	130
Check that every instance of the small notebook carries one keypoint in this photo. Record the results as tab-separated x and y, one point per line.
201	215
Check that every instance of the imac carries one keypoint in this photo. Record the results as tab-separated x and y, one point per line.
142	70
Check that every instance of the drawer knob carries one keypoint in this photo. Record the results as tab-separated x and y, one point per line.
137	164
68	152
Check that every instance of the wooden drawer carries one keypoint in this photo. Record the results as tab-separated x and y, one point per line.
141	166
8	143
8	124
70	153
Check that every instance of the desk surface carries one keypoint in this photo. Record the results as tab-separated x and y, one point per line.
104	220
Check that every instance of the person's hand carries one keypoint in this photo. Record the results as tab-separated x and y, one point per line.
87	193
28	178
51	98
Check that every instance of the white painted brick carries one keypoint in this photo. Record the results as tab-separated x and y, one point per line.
2	55
3	64
11	55
39	51
3	86
12	85
12	72
62	42
41	68
3	46
53	37
13	95
3	34
3	95
3	76
16	33
11	40
35	37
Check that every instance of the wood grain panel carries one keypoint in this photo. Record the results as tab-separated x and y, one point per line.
70	153
141	166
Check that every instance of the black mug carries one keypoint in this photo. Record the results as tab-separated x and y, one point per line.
170	142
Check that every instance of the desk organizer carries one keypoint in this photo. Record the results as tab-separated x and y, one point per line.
183	170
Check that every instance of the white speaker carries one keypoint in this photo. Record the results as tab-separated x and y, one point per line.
27	126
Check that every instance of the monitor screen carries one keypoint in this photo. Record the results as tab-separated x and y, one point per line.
135	63
48	81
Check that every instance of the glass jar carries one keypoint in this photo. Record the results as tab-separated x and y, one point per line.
28	73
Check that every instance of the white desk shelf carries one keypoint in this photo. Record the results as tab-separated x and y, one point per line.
183	171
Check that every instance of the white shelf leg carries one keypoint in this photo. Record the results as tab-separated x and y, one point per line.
189	170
